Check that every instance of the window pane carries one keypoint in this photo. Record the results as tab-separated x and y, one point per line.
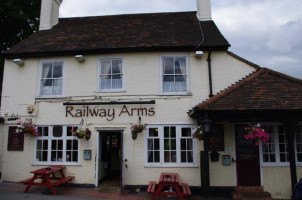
75	144
57	70
45	131
53	156
190	144
68	156
44	156
153	132
180	84
39	156
60	156
75	156
150	144
168	83
45	145
180	66
116	66
39	144
183	144
185	132
183	156
69	130
60	145
173	144
117	82
190	156
156	144
68	145
167	156
173	131
167	144
299	157
40	129
166	132
173	156
156	156
47	70
105	82
168	66
54	145
106	67
150	156
57	131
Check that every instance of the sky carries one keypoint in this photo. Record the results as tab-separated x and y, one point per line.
265	32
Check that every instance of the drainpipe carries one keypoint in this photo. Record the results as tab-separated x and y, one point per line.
210	73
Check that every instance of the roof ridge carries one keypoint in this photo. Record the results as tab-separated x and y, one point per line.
231	88
284	76
244	60
125	14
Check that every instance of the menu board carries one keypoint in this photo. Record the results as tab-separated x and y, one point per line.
15	140
217	138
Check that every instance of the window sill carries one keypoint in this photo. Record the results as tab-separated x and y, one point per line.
177	94
279	165
55	164
50	97
171	166
111	91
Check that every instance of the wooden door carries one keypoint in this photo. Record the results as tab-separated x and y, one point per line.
247	158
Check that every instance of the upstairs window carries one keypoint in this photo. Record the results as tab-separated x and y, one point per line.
174	74
111	74
51	83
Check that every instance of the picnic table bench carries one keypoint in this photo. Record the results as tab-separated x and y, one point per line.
47	174
167	181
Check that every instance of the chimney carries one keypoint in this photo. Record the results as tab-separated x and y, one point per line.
49	16
204	10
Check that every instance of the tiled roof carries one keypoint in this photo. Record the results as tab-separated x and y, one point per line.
263	90
123	33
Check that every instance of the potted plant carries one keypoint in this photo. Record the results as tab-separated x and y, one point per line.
137	128
27	128
82	132
198	134
256	133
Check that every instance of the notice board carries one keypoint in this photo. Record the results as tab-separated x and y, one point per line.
15	140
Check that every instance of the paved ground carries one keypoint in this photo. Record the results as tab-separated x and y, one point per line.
14	191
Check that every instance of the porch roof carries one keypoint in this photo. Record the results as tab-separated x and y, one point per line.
263	90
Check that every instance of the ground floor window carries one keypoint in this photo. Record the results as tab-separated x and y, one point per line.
169	145
56	144
276	149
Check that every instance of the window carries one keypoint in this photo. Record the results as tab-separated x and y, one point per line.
111	74
51	83
276	150
174	74
55	144
169	145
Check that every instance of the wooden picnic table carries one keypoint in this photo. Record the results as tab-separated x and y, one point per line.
46	175
167	181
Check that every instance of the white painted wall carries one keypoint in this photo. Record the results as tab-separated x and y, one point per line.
142	78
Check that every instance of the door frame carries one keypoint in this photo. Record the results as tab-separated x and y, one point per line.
235	158
97	150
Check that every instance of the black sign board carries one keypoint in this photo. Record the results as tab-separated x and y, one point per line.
217	138
15	140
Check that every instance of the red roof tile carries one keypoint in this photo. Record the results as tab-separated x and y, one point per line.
263	90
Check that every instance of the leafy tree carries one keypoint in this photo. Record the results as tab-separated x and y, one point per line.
18	19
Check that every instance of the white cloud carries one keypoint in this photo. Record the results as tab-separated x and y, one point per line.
267	32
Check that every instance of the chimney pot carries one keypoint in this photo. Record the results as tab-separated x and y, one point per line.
204	10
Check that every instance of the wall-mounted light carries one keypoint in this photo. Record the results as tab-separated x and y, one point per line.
79	58
198	54
18	61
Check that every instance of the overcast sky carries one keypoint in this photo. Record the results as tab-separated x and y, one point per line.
266	32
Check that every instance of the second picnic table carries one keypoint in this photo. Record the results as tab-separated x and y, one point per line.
166	181
46	175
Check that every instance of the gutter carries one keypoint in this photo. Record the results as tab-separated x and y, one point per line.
210	73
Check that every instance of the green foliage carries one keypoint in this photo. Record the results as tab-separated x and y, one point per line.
18	19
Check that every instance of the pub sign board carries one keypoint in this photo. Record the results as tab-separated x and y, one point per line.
15	140
217	138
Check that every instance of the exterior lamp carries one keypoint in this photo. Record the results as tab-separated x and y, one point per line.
79	58
207	124
18	61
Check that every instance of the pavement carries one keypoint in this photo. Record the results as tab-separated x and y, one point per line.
14	191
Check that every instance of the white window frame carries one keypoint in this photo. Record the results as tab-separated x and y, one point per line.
99	74
277	151
50	137
178	149
187	74
39	95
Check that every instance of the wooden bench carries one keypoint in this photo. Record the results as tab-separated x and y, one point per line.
151	187
26	181
64	180
186	189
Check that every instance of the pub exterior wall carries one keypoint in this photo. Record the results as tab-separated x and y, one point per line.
142	79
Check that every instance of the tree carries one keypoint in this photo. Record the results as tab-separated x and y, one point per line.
18	19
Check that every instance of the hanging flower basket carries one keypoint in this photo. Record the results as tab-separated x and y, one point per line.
256	133
137	128
81	132
198	134
27	128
